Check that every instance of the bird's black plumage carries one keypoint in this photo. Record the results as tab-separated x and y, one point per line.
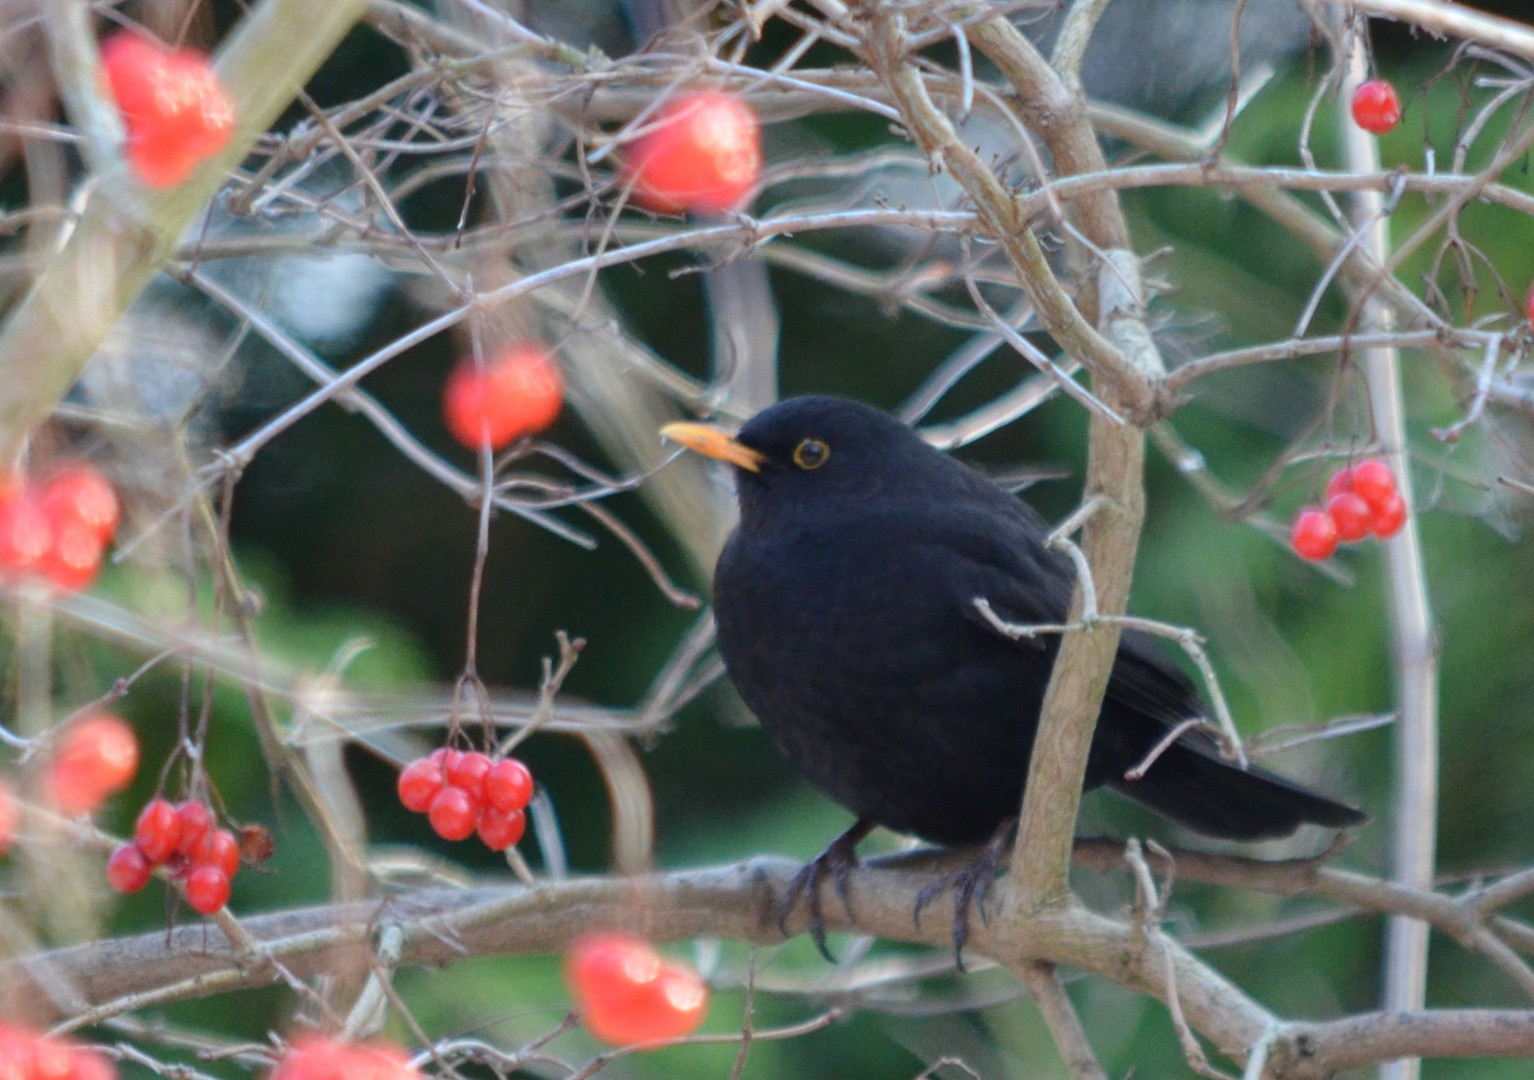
845	606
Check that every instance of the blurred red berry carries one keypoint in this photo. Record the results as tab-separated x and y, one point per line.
157	831
1376	106
1353	517
10	816
500	829
1389	516
453	814
319	1057
628	993
77	492
176	112
702	152
25	534
207	890
128	870
508	785
518	392
419	783
1314	536
73	558
97	756
1374	483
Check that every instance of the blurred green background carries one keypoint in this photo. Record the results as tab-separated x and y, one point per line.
347	540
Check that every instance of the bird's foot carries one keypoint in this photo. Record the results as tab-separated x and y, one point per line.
970	885
838	860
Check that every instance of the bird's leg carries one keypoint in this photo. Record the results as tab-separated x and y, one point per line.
970	884
838	859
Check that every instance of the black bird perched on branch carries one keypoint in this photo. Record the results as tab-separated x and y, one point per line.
847	614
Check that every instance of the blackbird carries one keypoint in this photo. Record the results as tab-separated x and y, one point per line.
847	617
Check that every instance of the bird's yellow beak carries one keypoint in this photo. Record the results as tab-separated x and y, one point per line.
714	443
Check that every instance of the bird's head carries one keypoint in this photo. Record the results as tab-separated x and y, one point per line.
810	452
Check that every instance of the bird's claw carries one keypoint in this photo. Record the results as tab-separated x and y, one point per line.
970	884
838	860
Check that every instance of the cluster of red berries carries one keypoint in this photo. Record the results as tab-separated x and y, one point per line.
628	993
516	392
1376	106
57	530
319	1057
31	1055
1360	501
183	840
176	112
462	792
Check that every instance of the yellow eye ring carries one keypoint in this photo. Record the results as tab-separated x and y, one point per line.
811	454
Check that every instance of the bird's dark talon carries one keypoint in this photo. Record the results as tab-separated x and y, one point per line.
838	859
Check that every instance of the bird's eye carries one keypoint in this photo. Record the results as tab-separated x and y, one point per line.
811	454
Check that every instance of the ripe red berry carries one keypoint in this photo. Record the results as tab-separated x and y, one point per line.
1352	516
1374	483
207	890
509	785
175	110
1389	516
500	829
128	870
1528	306
518	392
702	152
627	993
79	493
453	814
25	533
219	849
467	772
320	1057
157	831
1376	106
10	817
97	756
419	783
73	558
196	820
1314	536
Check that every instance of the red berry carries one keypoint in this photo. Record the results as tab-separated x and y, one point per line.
419	783
128	870
467	772
509	785
175	110
1528	306
196	820
518	392
452	814
1352	516
87	1064
1376	106
1314	536
73	558
207	890
703	153
157	831
1374	483
627	993
220	850
1389	516
501	829
79	493
319	1057
25	534
10	817
97	756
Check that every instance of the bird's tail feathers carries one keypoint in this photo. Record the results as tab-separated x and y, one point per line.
1214	797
